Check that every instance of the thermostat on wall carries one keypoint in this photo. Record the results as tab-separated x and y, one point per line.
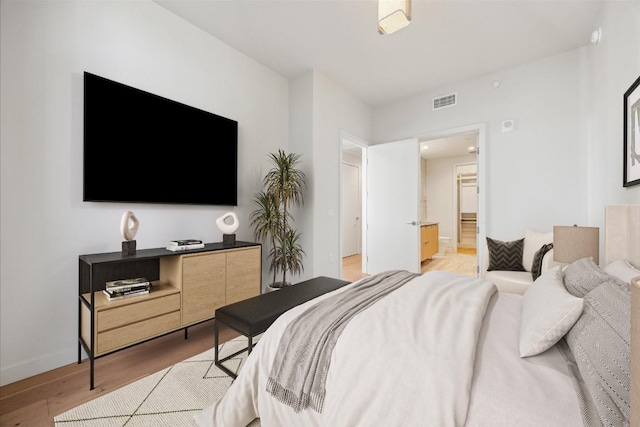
508	125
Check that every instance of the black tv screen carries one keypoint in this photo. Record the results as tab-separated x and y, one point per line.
143	148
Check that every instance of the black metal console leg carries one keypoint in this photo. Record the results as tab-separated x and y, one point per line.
186	333
250	345
91	373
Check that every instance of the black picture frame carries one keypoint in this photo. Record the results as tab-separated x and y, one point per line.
631	133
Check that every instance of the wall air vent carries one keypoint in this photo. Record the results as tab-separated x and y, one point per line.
444	101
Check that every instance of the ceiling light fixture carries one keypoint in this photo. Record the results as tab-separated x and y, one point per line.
393	15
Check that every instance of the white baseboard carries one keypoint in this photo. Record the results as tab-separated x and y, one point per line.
31	367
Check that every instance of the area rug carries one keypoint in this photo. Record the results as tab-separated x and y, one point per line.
167	398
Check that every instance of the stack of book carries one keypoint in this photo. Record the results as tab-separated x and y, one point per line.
125	288
183	245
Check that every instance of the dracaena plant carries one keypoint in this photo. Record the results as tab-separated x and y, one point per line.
282	188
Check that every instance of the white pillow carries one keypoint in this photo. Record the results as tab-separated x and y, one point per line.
533	241
548	312
622	270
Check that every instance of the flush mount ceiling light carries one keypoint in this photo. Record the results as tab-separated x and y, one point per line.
393	15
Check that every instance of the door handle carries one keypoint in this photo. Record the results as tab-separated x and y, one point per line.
412	223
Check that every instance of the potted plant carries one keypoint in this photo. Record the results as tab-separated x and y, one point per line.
282	188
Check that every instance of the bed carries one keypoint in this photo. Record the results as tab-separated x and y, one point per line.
450	350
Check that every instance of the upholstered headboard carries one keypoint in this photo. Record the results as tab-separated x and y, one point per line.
622	241
622	234
635	352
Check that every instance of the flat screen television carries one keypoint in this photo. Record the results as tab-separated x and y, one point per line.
143	148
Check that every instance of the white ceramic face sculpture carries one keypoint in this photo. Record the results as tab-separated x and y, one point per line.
129	225
228	228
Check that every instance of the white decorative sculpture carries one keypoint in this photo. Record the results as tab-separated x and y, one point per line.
129	225
129	228
228	230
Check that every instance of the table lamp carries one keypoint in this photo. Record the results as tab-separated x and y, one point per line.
573	243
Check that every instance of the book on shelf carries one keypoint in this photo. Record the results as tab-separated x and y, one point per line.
120	295
136	283
185	242
176	248
127	282
128	288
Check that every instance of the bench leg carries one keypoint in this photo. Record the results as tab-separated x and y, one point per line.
218	362
216	331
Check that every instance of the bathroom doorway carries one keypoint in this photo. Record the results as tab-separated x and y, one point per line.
452	204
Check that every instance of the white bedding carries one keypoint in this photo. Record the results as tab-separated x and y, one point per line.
411	360
512	391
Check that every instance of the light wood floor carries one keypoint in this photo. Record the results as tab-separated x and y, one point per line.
352	268
463	262
35	401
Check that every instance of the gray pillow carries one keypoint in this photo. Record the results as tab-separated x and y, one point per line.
582	276
601	345
505	255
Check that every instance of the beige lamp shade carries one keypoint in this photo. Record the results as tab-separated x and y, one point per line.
571	243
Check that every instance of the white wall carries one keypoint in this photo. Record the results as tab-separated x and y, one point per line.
563	163
333	110
536	174
46	47
613	65
301	133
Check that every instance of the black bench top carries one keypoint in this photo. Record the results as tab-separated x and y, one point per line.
254	315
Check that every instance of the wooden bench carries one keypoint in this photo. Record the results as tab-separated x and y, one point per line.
253	316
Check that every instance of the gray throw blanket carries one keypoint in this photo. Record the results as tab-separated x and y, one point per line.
301	364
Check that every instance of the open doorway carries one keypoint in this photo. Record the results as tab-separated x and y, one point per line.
352	213
391	189
450	206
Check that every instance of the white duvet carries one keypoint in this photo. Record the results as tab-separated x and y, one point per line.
406	361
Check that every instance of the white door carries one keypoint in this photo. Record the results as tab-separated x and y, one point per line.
393	182
350	209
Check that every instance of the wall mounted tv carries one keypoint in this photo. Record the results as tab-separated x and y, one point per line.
143	148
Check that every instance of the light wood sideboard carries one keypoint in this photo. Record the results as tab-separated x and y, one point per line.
187	289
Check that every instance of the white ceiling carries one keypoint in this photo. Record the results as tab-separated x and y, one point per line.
447	40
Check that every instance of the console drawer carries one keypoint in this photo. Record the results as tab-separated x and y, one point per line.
110	318
135	332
